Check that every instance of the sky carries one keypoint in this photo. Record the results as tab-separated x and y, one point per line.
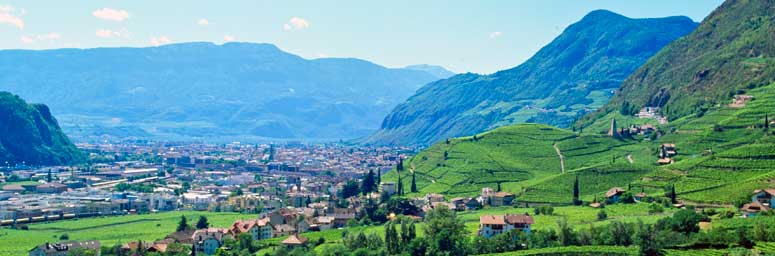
463	36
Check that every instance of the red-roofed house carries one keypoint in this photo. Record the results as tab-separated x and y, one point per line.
493	225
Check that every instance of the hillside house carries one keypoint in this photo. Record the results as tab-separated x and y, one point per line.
283	230
207	241
667	150
764	196
501	199
323	223
614	194
258	229
64	248
434	198
493	225
294	241
664	161
740	100
753	209
388	187
640	196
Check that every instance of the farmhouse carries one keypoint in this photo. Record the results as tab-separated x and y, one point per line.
753	209
614	194
387	187
258	229
295	241
207	241
493	225
64	248
764	196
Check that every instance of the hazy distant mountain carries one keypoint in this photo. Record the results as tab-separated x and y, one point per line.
206	91
573	75
438	71
29	134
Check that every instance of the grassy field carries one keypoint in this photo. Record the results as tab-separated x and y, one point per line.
108	230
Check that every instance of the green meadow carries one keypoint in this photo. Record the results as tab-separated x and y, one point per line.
108	230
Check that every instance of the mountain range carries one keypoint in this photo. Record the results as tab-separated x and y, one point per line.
573	75
204	91
29	134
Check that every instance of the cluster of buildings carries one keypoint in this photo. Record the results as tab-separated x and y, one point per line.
168	177
652	113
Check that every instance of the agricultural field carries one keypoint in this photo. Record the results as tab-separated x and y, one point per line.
108	230
574	250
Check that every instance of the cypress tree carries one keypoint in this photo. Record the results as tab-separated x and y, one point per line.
400	186
183	224
379	176
766	121
673	198
414	184
202	223
576	200
368	183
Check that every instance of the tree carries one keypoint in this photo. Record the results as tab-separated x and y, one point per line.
379	176
647	239
576	200
445	233
414	183
183	224
391	239
499	187
404	233
400	166
49	178
400	186
367	186
766	121
673	196
350	189
566	236
202	223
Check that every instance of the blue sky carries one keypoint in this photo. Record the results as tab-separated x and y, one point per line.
463	36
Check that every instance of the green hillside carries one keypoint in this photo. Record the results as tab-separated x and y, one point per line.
723	155
732	51
30	134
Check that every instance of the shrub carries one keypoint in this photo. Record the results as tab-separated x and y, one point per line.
602	215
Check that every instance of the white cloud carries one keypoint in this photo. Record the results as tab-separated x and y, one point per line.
229	38
50	36
7	16
203	22
27	39
31	38
6	8
111	14
322	55
107	33
296	23
156	41
495	34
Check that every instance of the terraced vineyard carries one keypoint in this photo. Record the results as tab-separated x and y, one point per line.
723	155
